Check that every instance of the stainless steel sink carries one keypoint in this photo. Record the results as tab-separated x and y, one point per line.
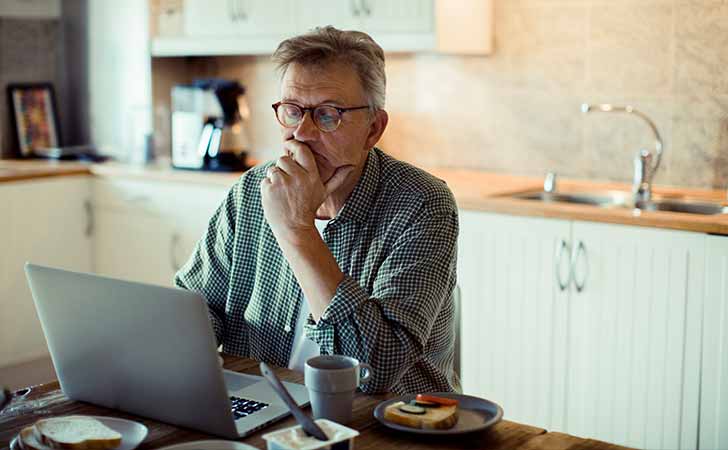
602	199
616	199
687	207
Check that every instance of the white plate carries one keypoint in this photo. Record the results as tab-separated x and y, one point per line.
210	445
474	414
132	433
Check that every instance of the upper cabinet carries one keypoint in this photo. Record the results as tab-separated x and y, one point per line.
237	18
234	27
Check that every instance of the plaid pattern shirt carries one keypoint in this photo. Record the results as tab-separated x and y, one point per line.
395	239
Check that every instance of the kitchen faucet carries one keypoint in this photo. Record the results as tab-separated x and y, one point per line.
644	168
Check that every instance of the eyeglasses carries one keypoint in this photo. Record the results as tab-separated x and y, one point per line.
326	117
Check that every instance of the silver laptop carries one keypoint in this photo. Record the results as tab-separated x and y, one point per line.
147	350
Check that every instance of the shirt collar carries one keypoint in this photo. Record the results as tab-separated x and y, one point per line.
359	204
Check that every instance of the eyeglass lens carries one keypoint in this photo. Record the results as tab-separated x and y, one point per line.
326	118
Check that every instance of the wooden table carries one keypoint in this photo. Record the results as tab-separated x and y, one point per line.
505	435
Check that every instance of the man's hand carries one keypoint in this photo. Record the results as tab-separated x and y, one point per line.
292	190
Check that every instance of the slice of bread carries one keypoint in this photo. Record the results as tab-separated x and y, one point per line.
29	439
440	418
76	433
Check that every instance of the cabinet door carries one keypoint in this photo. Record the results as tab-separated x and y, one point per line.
48	223
343	14
133	246
714	379
634	345
513	320
403	16
230	18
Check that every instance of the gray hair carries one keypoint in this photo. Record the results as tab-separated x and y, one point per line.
324	45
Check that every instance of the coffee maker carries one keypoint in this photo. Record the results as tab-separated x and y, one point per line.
208	132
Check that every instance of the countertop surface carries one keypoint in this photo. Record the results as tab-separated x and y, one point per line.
473	190
47	400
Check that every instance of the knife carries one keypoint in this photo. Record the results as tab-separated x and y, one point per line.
308	425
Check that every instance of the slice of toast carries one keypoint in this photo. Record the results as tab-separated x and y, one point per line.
440	418
29	439
76	433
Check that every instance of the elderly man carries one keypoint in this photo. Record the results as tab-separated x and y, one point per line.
335	247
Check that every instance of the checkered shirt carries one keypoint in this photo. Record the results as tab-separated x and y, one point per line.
395	240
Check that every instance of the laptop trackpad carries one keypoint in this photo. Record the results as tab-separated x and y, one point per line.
235	381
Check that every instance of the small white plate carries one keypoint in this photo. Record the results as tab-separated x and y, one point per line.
132	433
210	445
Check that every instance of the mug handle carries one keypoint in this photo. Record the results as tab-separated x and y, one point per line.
369	371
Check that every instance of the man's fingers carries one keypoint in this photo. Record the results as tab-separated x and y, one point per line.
288	165
338	179
274	174
302	154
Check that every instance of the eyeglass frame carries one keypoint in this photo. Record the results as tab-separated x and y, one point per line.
310	110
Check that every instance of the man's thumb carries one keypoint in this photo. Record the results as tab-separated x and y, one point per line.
338	179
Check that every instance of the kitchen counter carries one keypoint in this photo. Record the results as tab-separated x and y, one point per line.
473	190
482	191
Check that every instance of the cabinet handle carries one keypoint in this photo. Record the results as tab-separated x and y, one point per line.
89	218
355	8
173	244
580	249
563	246
231	10
365	8
242	15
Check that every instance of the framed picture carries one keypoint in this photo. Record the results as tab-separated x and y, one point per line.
33	116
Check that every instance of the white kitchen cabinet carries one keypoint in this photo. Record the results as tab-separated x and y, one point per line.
634	349
615	356
44	222
146	230
513	326
405	25
714	377
234	18
237	27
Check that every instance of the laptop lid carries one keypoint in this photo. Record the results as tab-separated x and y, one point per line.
144	349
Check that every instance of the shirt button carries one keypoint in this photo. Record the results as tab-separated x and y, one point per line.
287	328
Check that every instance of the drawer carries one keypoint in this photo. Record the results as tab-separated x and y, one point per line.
178	201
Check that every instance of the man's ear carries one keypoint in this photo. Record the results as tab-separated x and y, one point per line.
377	127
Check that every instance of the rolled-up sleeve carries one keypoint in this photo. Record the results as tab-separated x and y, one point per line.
390	327
208	269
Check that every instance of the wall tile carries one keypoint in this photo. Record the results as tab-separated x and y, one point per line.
545	43
630	48
702	47
29	52
700	157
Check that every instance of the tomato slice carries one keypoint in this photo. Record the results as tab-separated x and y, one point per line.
438	400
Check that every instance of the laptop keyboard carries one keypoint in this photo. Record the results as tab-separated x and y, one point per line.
243	407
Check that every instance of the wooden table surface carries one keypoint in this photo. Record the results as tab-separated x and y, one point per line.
46	400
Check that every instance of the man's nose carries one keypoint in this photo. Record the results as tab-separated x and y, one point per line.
306	129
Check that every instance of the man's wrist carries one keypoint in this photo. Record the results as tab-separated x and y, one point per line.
297	236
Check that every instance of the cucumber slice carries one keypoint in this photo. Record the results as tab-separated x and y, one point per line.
412	409
424	404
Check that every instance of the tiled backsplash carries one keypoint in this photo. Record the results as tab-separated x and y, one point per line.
517	110
29	52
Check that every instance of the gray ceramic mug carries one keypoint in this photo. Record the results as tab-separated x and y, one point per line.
331	381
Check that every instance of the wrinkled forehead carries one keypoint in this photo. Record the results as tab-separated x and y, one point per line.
334	81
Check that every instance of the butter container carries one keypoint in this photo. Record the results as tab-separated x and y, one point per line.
294	438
